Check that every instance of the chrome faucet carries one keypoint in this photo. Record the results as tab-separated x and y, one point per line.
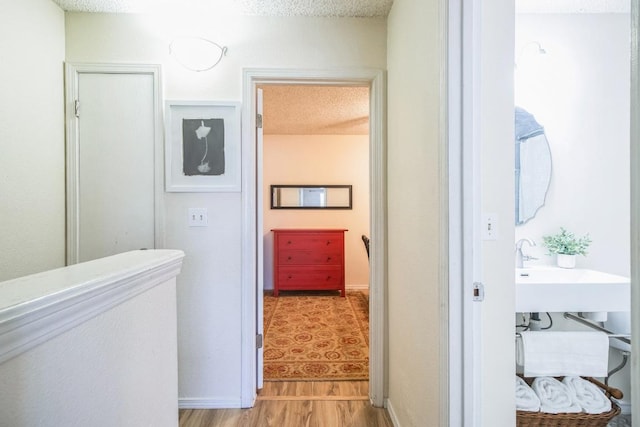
520	258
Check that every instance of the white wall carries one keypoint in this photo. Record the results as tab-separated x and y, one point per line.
109	371
210	284
32	185
414	219
319	159
579	91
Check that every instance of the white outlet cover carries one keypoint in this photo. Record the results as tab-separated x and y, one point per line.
198	217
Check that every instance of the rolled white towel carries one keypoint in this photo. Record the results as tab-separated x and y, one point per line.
588	395
526	398
555	397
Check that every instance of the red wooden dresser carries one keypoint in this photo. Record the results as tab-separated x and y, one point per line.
308	259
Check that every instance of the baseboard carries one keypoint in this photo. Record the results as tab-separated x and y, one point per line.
202	403
625	406
392	413
364	287
353	287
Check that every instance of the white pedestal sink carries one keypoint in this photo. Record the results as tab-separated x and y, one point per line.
553	289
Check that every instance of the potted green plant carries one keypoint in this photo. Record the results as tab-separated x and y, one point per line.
566	246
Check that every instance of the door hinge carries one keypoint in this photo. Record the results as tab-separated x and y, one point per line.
259	121
478	291
259	341
76	108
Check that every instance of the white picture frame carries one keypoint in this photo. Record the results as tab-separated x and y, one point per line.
202	157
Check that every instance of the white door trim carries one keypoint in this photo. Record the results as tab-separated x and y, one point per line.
463	189
635	202
72	72
453	408
378	271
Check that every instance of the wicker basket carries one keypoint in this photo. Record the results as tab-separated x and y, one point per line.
541	419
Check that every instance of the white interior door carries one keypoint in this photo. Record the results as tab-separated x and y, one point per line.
480	112
112	157
493	115
260	242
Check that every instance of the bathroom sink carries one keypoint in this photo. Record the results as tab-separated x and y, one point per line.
556	289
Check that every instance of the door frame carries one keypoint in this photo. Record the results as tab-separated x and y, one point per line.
463	405
72	73
635	201
375	79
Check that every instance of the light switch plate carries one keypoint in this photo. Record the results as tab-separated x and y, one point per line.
198	217
489	226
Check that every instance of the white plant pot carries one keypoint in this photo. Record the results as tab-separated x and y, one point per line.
566	261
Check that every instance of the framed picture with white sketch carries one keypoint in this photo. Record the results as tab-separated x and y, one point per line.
202	146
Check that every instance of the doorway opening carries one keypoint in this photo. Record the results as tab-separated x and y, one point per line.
253	277
315	138
498	51
577	111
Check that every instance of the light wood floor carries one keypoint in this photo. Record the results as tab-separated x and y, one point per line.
298	404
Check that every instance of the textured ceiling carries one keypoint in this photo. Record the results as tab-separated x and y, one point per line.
346	8
288	110
315	110
353	8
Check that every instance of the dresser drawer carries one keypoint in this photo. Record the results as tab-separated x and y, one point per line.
311	241
312	277
331	256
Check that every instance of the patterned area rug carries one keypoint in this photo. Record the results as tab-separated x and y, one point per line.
316	337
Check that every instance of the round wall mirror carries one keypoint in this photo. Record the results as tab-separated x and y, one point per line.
532	166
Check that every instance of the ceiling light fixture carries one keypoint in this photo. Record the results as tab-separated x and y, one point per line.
196	53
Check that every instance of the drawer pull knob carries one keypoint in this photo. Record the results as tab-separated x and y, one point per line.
328	242
288	258
328	277
289	276
288	242
328	258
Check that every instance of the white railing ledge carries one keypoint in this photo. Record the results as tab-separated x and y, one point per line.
38	307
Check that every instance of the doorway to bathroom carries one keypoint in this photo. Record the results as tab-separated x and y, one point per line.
487	40
572	74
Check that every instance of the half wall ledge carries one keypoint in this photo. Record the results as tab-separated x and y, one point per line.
39	307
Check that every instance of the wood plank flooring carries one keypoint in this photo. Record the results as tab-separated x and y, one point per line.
298	404
315	390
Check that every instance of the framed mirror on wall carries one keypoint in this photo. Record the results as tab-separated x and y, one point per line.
311	197
532	166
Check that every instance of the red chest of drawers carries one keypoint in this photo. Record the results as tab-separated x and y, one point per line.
308	259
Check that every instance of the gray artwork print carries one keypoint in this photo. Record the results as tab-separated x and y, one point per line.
203	147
